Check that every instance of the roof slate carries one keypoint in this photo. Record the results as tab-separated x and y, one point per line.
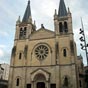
62	9
27	13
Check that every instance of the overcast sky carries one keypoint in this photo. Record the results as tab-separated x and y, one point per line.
42	12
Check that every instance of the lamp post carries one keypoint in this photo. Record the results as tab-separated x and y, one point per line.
83	43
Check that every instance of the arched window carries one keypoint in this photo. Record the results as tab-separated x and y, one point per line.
25	29
17	82
64	53
80	83
20	55
65	26
21	32
60	27
66	81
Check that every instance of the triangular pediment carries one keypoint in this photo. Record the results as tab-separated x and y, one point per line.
40	71
42	34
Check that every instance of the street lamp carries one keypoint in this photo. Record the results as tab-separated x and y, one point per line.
83	45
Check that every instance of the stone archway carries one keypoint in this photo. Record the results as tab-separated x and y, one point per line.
38	72
40	78
40	81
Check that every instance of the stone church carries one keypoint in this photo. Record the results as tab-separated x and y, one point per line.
44	58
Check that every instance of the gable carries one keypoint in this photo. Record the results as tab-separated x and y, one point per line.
42	34
40	71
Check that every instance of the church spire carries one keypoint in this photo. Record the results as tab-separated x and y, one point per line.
62	9
27	14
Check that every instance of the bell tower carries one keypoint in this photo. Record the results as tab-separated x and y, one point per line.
25	27
66	54
64	31
63	20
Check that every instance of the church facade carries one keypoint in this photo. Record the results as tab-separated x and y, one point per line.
44	58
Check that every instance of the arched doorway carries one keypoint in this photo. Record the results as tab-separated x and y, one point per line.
40	78
40	85
40	81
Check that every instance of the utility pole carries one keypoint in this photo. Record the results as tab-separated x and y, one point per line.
83	45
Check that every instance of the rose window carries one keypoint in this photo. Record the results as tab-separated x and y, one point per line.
41	52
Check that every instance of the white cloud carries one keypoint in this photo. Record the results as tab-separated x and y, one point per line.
4	55
1	53
3	33
48	8
9	13
2	46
